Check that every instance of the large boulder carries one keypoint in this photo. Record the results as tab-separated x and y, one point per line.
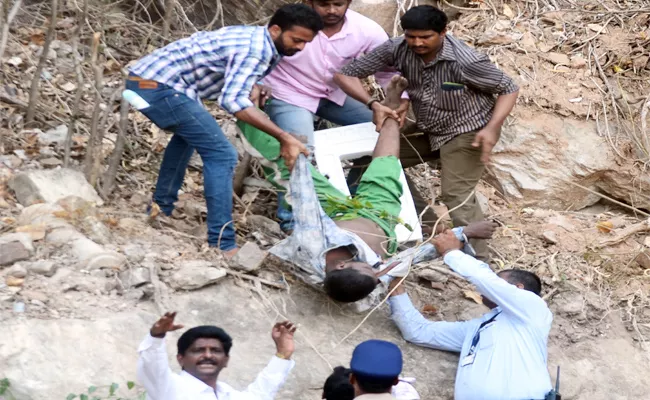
49	186
540	158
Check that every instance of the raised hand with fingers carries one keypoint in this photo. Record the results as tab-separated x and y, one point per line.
164	324
282	335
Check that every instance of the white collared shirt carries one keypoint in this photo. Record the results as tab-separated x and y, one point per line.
510	358
162	384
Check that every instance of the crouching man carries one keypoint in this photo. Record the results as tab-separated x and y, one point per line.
203	352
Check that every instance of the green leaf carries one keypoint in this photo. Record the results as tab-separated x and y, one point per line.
130	385
71	396
113	389
92	389
83	397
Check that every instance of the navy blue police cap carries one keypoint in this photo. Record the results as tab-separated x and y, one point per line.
377	359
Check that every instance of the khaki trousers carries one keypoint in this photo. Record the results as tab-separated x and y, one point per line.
460	170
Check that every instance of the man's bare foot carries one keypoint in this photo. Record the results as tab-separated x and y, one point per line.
480	230
394	91
231	253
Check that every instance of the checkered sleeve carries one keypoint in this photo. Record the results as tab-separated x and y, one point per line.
243	70
379	59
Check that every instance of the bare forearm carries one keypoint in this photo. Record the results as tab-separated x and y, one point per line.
352	87
259	120
504	105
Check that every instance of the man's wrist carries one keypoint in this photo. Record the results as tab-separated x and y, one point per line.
283	355
371	103
157	336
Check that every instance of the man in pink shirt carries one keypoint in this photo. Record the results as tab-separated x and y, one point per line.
303	86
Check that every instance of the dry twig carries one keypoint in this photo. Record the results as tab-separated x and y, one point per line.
33	90
6	23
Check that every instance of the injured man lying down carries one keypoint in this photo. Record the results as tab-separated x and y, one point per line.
348	245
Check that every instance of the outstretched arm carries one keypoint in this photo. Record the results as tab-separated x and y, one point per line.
270	380
418	330
153	366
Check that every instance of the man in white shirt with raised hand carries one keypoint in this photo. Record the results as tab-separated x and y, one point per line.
503	354
203	352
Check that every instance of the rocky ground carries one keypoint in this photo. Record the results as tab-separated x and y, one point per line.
82	275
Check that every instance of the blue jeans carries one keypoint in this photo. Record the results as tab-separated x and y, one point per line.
300	121
193	128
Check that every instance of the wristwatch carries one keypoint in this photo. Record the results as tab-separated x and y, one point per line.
371	102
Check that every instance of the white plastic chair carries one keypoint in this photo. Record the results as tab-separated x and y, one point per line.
354	141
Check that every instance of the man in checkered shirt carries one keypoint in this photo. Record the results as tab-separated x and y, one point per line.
224	66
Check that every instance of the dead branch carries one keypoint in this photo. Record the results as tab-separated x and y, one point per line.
72	126
256	279
241	172
644	124
33	90
5	28
169	14
93	148
626	233
108	181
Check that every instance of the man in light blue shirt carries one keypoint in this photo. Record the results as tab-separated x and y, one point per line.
503	353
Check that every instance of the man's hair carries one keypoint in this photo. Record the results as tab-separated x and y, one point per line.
531	282
374	385
290	15
348	285
204	332
338	386
424	18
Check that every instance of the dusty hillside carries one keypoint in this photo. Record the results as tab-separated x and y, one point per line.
568	185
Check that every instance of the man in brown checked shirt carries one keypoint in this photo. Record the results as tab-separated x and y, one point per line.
460	100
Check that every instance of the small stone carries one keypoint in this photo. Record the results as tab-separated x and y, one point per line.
578	63
42	267
13	281
50	162
643	259
134	253
139	199
569	303
96	230
491	38
195	275
432	275
549	237
135	277
12	252
36	232
37	303
23	238
17	271
249	258
54	136
557	58
11	161
34	295
528	41
646	241
437	286
265	225
107	259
